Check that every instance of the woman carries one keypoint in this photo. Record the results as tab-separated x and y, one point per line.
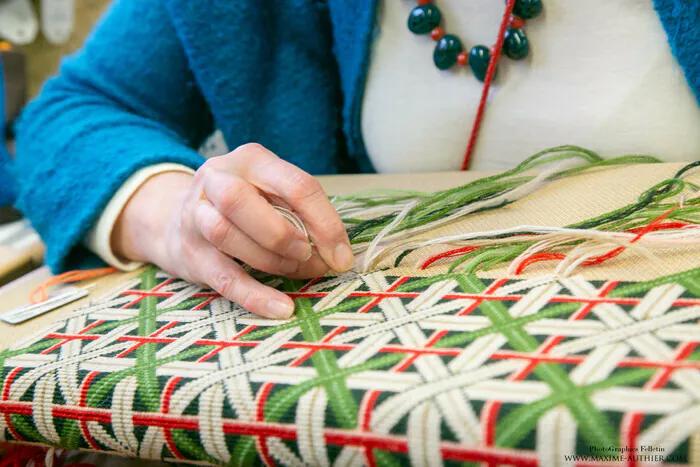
108	154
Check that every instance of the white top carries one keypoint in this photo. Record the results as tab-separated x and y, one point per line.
600	75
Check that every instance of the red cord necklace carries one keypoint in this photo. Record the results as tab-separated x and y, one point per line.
512	41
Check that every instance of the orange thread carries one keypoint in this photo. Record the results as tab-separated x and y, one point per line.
536	258
66	278
449	254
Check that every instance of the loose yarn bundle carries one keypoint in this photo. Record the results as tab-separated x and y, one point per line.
388	223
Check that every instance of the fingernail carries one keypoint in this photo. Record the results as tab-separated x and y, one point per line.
280	309
299	250
343	257
288	266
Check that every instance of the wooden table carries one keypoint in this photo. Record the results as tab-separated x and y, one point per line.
562	202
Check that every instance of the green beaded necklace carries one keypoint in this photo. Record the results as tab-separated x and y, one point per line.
426	18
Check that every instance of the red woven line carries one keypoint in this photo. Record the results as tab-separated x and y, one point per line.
490	73
55	346
385	349
165	328
244	332
210	354
341	437
365	416
165	408
308	285
93	325
672	366
491	408
573	360
5	395
160	340
84	387
682	302
132	303
70	337
155	334
495	457
8	382
660	379
204	303
223	344
500	298
315	346
449	450
163	284
137	300
448	254
392	288
261	439
153	293
16	407
87	414
664	376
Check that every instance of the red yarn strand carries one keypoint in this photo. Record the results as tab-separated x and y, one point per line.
654	226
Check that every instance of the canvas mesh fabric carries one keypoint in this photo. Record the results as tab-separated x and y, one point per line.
374	369
561	203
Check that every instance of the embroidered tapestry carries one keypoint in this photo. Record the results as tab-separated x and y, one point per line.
374	369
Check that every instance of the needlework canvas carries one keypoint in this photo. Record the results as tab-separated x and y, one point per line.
374	369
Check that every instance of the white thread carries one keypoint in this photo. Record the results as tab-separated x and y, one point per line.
292	218
689	235
369	254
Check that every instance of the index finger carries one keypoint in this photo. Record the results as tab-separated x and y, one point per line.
304	195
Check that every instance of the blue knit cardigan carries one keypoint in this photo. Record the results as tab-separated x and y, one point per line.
157	76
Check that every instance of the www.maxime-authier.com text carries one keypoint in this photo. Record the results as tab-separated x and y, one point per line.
626	453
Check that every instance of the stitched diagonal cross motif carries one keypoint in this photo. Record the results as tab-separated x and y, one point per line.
373	369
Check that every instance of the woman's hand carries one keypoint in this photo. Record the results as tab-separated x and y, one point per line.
193	226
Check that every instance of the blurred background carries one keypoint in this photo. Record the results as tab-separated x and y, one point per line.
34	36
42	49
